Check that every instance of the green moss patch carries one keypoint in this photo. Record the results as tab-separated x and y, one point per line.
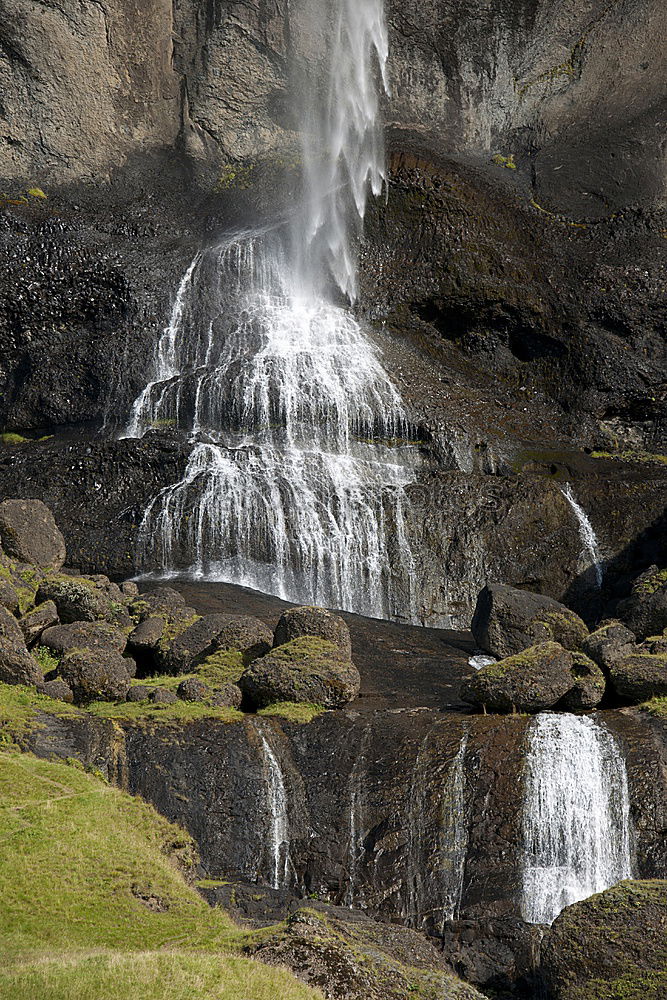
293	711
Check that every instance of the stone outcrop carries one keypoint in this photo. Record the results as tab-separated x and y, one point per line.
316	622
645	610
614	943
307	669
95	675
640	676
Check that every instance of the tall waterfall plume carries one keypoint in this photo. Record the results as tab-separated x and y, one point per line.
576	823
301	448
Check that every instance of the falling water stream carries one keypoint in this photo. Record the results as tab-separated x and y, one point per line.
576	824
591	549
278	815
301	447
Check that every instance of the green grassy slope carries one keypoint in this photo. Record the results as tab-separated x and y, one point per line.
93	904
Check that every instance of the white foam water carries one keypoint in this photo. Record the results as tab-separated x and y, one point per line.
591	548
576	822
278	816
302	450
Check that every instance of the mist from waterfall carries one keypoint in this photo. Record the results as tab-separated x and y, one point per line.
577	834
301	448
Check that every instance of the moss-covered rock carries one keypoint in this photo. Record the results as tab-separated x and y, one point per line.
77	598
645	610
314	622
589	685
535	679
612	946
36	622
641	676
17	666
244	634
307	669
95	675
84	635
609	643
507	621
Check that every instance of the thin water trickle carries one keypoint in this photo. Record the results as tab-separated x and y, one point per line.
278	816
591	549
576	822
301	446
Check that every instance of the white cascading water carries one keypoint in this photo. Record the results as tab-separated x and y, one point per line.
576	822
301	446
278	815
591	549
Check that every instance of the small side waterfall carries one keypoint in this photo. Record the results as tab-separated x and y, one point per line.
278	815
589	539
356	821
437	840
576	822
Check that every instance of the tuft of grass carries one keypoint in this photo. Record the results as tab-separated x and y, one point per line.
656	706
94	906
47	660
631	456
20	708
178	713
11	440
294	711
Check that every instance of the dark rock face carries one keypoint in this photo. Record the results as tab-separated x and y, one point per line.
499	954
609	644
195	643
507	621
9	599
317	622
29	533
610	942
530	681
307	669
95	675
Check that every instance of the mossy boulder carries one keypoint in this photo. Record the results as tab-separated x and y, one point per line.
227	696
58	689
193	689
611	642
17	666
29	534
508	620
9	597
589	685
161	601
35	622
84	635
77	598
645	610
147	635
612	946
641	676
535	679
195	643
307	669
95	675
317	622
244	634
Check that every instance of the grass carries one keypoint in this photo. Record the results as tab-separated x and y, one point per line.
146	711
293	711
631	456
656	707
47	660
94	905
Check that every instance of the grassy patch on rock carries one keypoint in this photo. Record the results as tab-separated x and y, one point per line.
94	905
293	711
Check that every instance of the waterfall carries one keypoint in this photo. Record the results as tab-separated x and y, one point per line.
356	819
277	812
576	821
454	835
301	447
587	535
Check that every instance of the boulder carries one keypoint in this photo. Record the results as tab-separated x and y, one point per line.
244	634
535	679
129	589
84	635
9	597
611	945
227	696
139	692
161	601
36	622
194	644
609	644
645	611
95	675
655	643
192	689
162	696
29	533
17	666
57	689
146	636
589	685
307	669
316	622
77	598
507	621
640	676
